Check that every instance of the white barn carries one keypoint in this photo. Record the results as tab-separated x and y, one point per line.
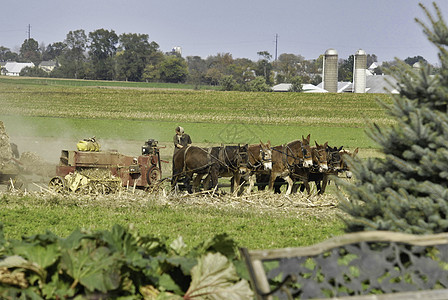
13	68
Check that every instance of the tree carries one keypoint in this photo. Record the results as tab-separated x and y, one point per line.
173	69
345	70
134	55
264	67
103	46
412	60
288	65
73	58
296	84
29	51
257	85
228	83
53	51
33	72
196	70
407	189
7	55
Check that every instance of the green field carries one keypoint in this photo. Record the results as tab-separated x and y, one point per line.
41	108
208	116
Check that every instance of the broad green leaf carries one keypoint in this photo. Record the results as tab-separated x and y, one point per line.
43	256
95	268
221	243
185	263
73	240
215	277
166	283
57	288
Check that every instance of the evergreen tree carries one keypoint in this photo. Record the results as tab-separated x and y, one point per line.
407	190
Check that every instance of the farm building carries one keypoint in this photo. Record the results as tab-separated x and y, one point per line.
13	68
375	84
48	65
306	88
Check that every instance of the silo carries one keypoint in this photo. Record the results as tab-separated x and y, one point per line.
330	71
359	72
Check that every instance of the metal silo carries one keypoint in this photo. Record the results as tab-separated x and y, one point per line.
359	72
330	71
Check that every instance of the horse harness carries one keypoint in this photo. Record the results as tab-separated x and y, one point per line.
286	155
259	162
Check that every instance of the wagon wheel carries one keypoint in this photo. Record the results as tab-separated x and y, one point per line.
57	184
153	175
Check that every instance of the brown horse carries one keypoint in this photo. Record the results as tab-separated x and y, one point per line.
233	162
194	160
259	162
293	159
215	162
336	165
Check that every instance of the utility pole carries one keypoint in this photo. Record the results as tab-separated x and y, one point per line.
29	31
276	44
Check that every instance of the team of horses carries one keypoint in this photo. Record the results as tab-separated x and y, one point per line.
297	163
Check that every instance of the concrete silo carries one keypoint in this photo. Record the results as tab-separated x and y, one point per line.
359	72
330	71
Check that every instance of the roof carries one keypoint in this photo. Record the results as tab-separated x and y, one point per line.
381	84
343	86
47	63
375	84
15	67
306	88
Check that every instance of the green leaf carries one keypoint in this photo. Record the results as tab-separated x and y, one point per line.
221	243
215	277
43	256
167	283
94	268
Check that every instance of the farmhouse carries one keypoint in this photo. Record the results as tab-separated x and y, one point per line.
48	65
14	68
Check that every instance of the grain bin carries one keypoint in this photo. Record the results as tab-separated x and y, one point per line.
330	71
359	72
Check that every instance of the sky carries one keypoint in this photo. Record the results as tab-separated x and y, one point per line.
386	28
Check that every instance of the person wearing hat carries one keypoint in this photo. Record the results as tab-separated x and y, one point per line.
181	139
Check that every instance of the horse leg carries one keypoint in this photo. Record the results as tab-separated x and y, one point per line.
318	187
251	183
272	181
325	181
197	182
290	183
187	183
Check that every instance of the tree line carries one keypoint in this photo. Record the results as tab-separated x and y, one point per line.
104	55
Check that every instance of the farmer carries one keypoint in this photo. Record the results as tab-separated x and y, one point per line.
180	139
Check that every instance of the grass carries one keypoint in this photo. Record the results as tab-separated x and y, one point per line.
252	226
292	109
163	131
97	83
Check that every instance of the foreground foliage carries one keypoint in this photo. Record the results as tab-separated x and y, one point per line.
118	264
407	191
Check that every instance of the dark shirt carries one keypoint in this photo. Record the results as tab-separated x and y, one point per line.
183	140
